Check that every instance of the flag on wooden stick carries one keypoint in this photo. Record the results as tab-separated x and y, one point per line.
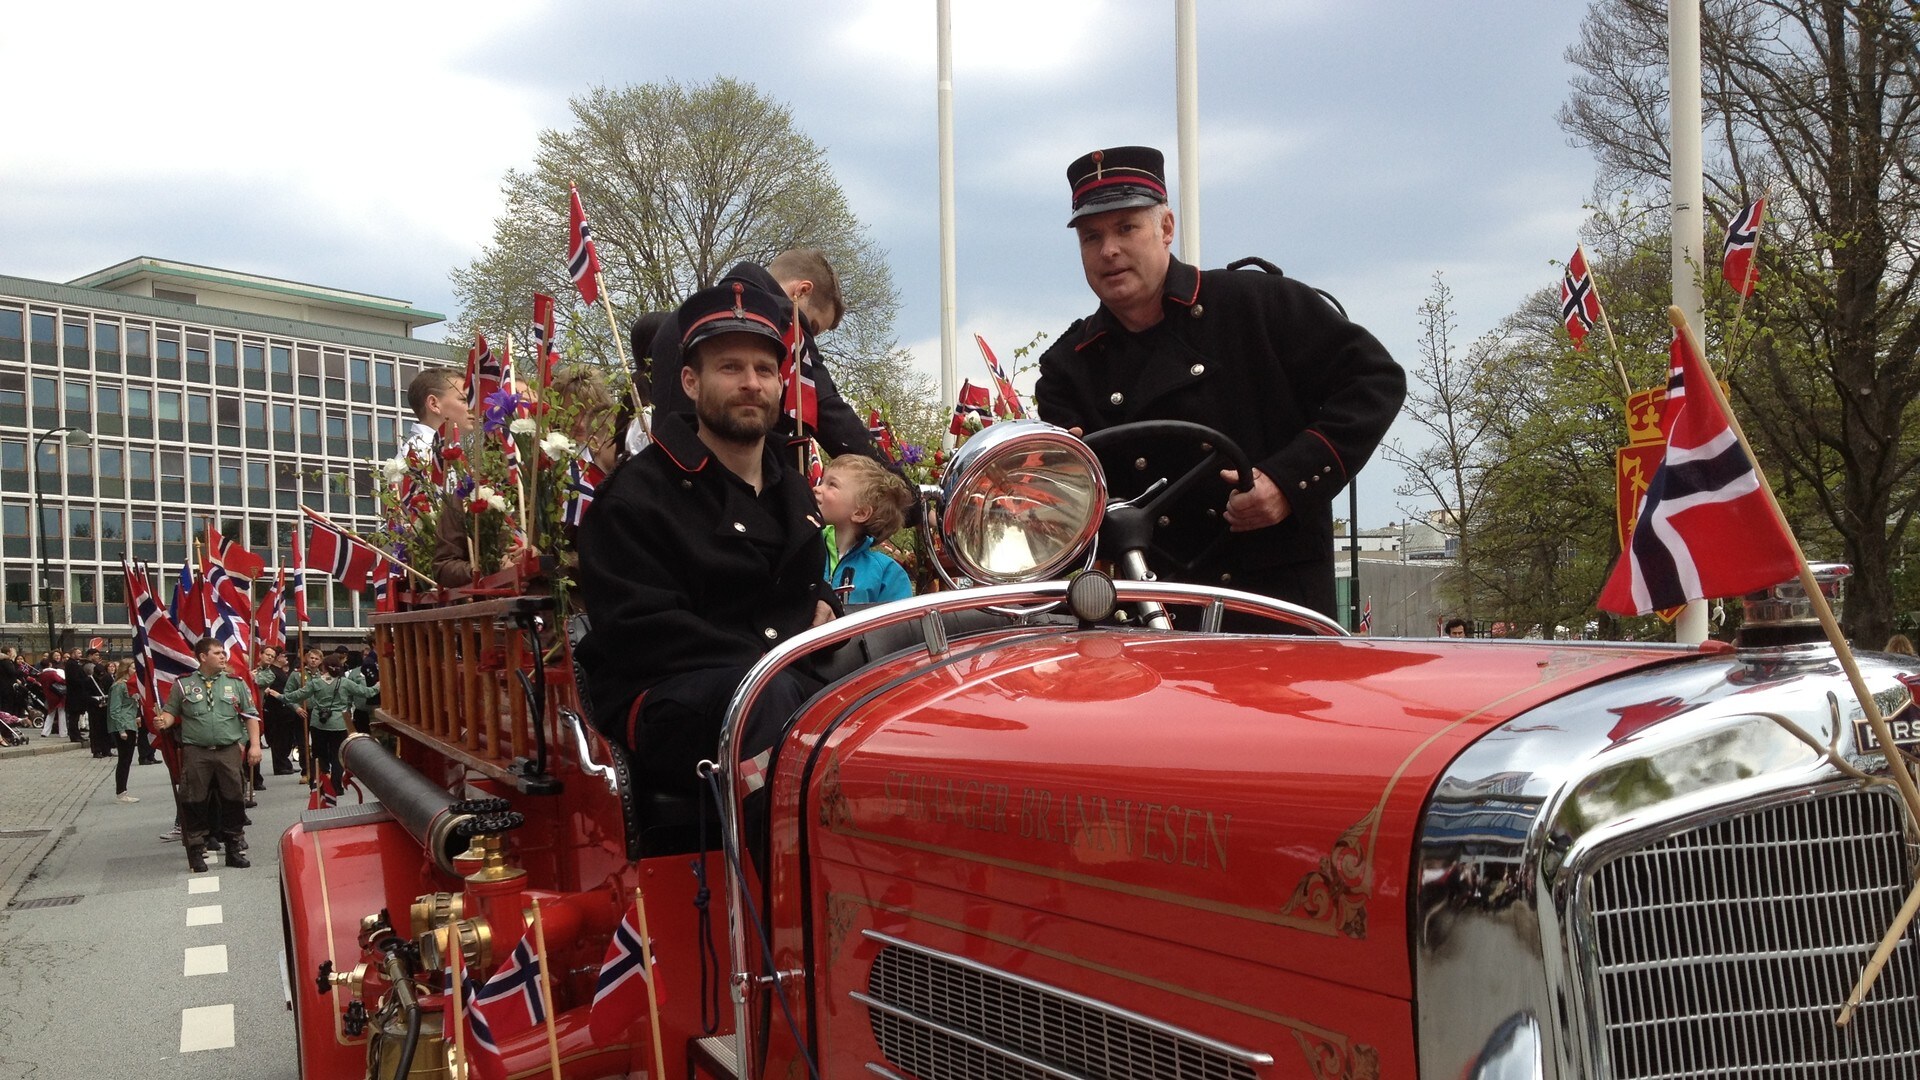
1579	300
1739	262
583	262
1706	529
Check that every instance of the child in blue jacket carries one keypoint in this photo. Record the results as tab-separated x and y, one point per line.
863	504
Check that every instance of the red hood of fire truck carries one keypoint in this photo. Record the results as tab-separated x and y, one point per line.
1254	797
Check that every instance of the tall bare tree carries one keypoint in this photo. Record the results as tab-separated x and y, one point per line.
680	183
1451	465
1814	103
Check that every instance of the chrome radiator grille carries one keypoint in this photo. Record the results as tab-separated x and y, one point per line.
1728	949
943	1018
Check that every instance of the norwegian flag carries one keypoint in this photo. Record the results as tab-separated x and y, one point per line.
231	627
881	433
1366	619
970	412
299	580
1006	400
170	652
270	619
349	561
188	608
544	346
1705	528
583	481
1579	302
798	397
483	373
385	590
483	1052
228	553
620	997
1738	262
142	684
816	467
583	262
510	1002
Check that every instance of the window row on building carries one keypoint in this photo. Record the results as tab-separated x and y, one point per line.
96	598
165	355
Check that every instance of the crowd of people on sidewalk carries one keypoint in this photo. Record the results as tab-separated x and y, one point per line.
210	732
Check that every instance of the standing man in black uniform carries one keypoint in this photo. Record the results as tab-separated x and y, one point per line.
1264	360
702	552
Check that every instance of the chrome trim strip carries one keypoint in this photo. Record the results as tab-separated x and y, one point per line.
882	1071
1250	1057
583	749
967	1037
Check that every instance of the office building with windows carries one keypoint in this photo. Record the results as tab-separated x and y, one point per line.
191	394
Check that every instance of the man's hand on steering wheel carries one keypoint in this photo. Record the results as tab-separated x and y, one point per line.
1265	504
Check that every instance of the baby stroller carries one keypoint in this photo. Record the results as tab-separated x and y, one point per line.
13	730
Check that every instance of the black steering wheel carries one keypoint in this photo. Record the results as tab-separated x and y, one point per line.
1130	525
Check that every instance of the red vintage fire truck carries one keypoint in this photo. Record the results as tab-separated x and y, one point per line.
1034	828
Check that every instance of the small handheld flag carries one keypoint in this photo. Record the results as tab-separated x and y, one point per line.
1006	400
228	553
583	262
1739	264
970	412
1579	301
545	348
1706	529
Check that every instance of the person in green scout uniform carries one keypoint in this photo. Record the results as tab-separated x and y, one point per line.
123	726
219	737
329	699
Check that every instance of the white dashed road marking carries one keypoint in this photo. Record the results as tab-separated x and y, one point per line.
206	1028
208	915
206	960
198	884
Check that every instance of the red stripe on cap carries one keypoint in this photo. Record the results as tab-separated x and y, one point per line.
729	314
1141	180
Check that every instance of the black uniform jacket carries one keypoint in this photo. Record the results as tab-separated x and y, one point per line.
841	430
684	568
1263	359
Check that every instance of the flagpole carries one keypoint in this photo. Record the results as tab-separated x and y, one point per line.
459	1007
1606	324
546	992
633	374
653	997
1896	764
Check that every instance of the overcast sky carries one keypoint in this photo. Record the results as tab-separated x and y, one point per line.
1360	144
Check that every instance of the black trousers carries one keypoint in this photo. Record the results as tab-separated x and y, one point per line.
326	753
211	801
677	724
98	737
283	736
125	743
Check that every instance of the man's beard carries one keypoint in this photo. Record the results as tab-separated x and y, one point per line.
733	424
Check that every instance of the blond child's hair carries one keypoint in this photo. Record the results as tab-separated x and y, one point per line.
883	495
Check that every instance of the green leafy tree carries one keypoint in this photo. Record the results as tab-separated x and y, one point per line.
680	182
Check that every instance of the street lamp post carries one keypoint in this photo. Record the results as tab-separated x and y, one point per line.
40	519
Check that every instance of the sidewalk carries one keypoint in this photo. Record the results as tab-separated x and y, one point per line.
43	787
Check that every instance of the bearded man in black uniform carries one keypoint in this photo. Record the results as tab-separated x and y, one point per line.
702	552
1266	361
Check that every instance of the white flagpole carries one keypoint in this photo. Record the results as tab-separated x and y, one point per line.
1683	76
1186	66
949	273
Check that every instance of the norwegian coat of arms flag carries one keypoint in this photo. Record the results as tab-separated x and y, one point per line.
1705	528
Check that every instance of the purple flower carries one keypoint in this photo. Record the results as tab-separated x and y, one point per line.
502	406
464	486
912	455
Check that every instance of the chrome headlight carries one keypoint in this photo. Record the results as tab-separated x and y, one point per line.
1021	501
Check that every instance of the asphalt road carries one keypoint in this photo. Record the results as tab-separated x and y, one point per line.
150	970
